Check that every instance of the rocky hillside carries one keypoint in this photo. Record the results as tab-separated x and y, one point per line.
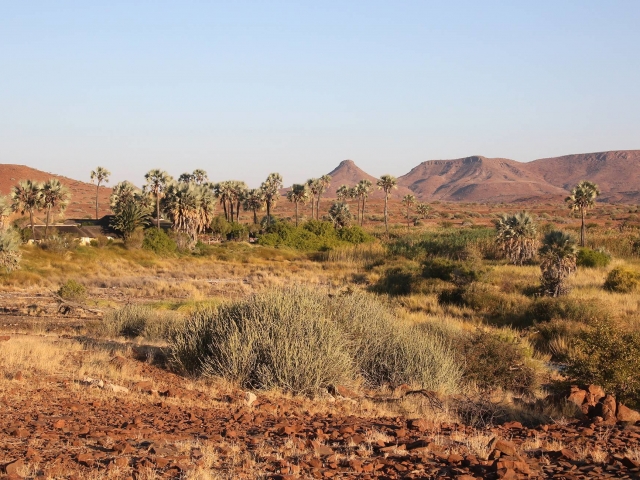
348	173
83	194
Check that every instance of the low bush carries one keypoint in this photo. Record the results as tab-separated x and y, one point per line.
622	280
10	255
133	321
354	235
545	309
72	290
59	244
159	242
493	361
134	240
238	232
100	241
588	258
301	341
608	356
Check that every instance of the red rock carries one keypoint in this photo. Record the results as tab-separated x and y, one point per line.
13	467
59	424
454	458
504	446
86	459
4	338
609	409
577	396
18	376
625	414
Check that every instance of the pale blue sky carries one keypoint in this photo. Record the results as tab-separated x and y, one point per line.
245	88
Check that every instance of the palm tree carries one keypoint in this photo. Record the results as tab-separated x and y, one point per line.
130	217
99	175
237	189
314	186
558	260
364	188
54	194
157	181
199	176
124	193
222	191
323	182
27	197
387	183
583	196
5	210
340	214
342	193
408	201
253	200
186	177
190	207
298	194
517	237
271	190
422	209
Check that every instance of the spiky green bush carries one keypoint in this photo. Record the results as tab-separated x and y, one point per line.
133	321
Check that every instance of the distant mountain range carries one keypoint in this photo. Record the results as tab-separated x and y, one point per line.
481	179
471	179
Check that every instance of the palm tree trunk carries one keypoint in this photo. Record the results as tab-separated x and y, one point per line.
158	210
318	208
296	214
46	227
255	217
224	205
364	204
386	223
582	228
268	213
231	209
33	228
238	211
358	202
97	191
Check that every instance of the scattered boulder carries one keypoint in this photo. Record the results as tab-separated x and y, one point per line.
250	398
600	407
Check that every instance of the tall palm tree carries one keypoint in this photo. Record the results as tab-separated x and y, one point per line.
408	201
27	197
583	196
124	193
324	182
558	260
387	183
54	195
222	191
271	190
190	207
315	187
422	209
364	188
517	237
354	193
237	189
157	181
186	178
298	194
253	200
99	175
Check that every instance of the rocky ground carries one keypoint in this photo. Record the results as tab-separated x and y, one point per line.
155	424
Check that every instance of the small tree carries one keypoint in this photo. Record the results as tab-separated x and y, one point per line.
54	195
324	182
408	201
298	194
387	183
558	261
422	209
27	197
9	250
517	237
99	175
340	215
583	197
342	193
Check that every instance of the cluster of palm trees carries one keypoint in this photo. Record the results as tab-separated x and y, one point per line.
30	197
359	192
517	238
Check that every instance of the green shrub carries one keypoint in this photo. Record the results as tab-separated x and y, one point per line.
277	339
492	361
10	255
354	235
59	244
159	242
608	356
301	341
220	227
101	241
238	232
588	258
72	290
134	240
133	321
622	280
545	309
